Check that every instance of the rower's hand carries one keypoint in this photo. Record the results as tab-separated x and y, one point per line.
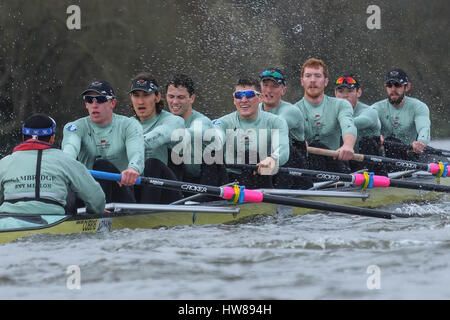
418	146
381	142
129	177
267	166
345	153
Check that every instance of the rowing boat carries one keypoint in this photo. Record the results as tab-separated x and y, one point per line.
135	216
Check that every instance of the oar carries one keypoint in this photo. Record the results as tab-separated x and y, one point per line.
428	149
357	179
228	193
433	168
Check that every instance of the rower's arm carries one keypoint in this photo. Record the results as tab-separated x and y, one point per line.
134	145
280	142
346	151
422	123
85	187
71	142
367	119
345	118
162	134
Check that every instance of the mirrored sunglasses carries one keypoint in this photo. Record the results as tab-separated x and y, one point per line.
349	80
247	93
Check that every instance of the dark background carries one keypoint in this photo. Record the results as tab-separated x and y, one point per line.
44	66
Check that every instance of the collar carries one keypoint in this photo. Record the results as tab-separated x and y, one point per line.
33	144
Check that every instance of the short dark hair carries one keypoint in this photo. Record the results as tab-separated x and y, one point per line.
149	77
39	121
249	81
182	80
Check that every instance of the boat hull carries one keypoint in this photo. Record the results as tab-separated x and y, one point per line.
90	223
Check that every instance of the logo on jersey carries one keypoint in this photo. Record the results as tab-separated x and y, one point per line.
72	127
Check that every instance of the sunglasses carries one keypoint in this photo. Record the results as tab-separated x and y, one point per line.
99	99
395	84
349	80
269	73
247	93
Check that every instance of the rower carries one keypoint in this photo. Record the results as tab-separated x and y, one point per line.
250	136
158	126
404	120
273	88
106	141
327	119
180	96
366	121
38	177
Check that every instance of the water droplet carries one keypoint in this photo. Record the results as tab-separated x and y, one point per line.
297	29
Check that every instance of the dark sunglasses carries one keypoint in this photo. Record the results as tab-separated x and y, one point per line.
395	84
99	99
247	93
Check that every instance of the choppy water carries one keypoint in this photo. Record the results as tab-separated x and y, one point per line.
315	256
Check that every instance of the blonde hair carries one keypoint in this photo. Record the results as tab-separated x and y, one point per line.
316	64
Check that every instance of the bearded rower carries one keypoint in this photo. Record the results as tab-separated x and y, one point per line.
403	119
327	119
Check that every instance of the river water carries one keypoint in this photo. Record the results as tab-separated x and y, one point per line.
314	256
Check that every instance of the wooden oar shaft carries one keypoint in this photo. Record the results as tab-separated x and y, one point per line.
333	153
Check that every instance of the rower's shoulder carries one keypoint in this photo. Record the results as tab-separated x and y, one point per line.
380	105
287	107
273	120
124	123
333	101
416	103
121	119
168	116
364	107
77	126
227	118
197	115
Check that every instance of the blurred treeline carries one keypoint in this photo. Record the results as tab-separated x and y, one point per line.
44	66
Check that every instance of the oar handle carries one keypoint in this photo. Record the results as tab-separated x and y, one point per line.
109	176
333	153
